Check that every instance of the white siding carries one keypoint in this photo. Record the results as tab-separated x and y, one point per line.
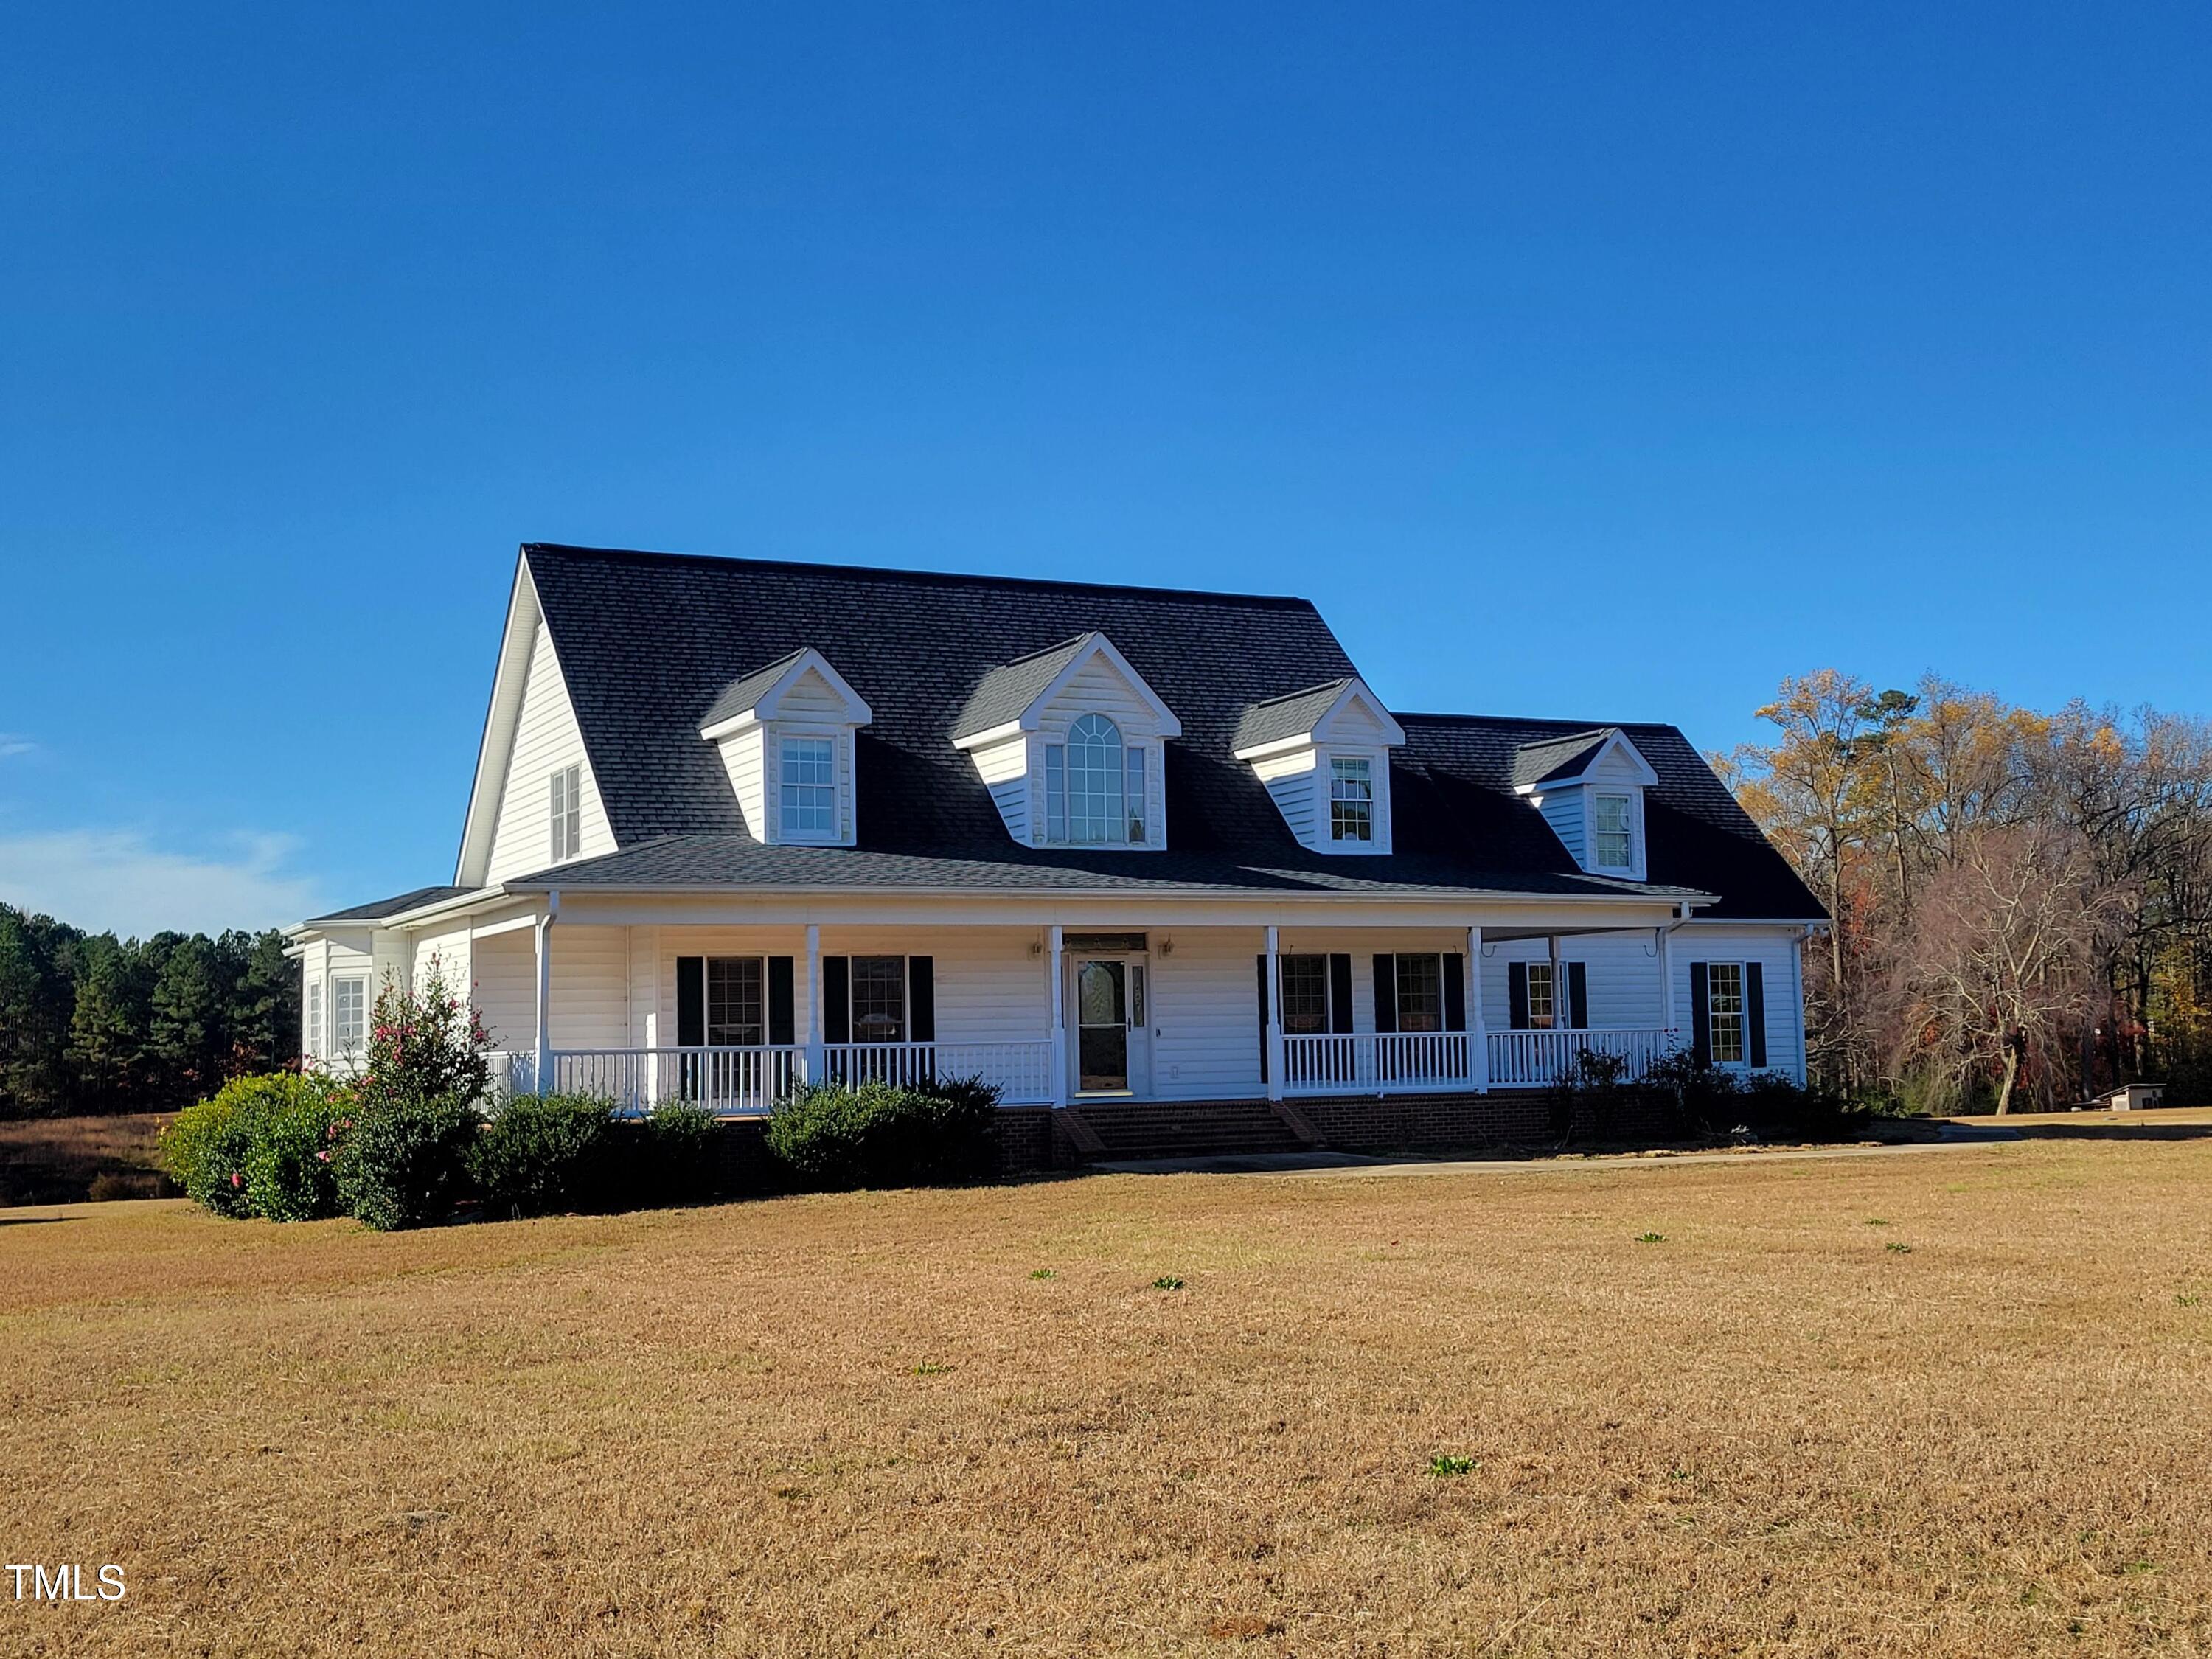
1774	949
546	739
1206	1014
810	697
1563	811
591	987
506	987
745	757
1621	970
1004	769
1290	780
1099	688
448	953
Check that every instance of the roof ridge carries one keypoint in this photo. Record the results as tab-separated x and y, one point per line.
1043	651
1304	691
943	578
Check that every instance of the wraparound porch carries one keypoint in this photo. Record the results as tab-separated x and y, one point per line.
735	1016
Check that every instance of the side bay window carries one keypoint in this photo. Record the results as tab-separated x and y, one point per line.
348	1014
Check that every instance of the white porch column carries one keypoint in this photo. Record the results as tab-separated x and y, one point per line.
1274	1019
1665	976
816	1068
1478	1033
544	931
1055	938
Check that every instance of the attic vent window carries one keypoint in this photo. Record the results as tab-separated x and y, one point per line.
567	810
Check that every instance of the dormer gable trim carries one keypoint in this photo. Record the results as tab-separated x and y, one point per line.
1012	698
757	697
1562	763
1311	718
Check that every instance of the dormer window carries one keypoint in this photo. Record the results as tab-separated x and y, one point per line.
786	735
1613	834
1589	786
810	788
1324	754
1351	798
1069	741
1094	786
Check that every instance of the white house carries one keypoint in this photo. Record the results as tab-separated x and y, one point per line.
737	823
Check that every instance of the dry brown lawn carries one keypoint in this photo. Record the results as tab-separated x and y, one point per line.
1947	1400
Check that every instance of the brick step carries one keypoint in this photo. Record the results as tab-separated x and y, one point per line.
1193	1129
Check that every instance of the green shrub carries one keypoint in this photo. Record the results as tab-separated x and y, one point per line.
873	1135
678	1162
261	1146
404	1160
543	1153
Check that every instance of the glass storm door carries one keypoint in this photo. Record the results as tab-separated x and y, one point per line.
1102	1027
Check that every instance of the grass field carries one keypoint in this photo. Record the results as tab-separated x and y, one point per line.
1940	1400
59	1160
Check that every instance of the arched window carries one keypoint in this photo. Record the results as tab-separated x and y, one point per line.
1093	781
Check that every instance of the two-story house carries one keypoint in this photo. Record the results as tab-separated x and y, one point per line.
737	823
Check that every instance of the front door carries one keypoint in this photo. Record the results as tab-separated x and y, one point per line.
1111	1045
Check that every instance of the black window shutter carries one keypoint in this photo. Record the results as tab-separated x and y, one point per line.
1701	1036
836	1000
1386	992
1578	995
1262	960
1455	990
1754	996
922	998
1339	991
782	1026
690	1002
1516	994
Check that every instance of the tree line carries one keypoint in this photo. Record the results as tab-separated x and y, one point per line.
2022	902
89	1023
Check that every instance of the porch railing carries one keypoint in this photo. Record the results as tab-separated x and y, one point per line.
725	1080
1536	1059
749	1079
1377	1062
1022	1070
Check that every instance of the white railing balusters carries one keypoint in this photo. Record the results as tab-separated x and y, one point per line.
749	1079
1414	1063
1536	1059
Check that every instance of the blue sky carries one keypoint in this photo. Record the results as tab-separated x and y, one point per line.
1602	361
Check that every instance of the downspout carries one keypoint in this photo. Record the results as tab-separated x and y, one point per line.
544	931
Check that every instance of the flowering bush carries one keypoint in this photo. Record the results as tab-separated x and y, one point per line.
263	1146
427	1046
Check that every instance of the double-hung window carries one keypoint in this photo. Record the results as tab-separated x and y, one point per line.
1305	994
879	998
809	787
1420	993
1614	833
737	1001
1351	798
1096	793
1543	1001
567	811
1724	1012
349	1014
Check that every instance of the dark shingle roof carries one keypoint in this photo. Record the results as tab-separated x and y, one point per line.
746	693
1286	717
394	905
1005	692
649	643
1556	757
